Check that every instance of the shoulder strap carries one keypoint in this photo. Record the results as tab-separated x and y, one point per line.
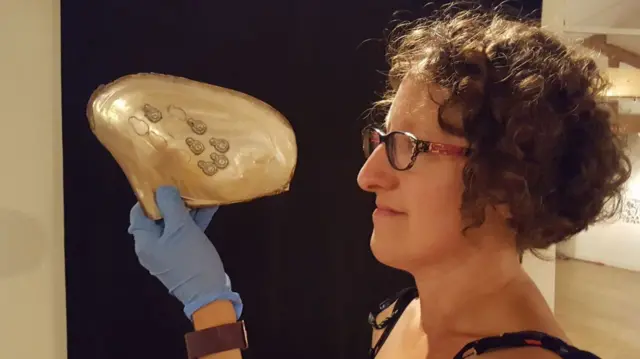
401	300
523	339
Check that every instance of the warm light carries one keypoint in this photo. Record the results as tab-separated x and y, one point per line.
120	104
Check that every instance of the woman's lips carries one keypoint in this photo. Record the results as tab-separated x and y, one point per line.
386	212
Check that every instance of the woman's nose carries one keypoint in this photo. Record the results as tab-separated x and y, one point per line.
376	173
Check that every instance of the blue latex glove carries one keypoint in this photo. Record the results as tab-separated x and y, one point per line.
177	252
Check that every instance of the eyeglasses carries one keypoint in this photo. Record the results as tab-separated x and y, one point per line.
403	147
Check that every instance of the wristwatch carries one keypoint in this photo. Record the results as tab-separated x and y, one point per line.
216	339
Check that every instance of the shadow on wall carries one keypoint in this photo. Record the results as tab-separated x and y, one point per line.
22	243
616	242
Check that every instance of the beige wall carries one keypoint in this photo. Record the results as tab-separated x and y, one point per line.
32	296
598	15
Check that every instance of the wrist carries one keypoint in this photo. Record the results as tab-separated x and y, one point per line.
201	302
217	334
214	314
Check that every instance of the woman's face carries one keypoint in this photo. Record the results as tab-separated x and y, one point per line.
417	220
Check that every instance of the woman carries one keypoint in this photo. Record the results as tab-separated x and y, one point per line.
493	144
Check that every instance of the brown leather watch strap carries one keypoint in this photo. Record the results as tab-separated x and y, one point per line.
217	339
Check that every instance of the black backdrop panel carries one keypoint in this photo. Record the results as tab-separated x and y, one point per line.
301	260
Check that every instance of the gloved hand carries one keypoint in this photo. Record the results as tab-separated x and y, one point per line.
176	251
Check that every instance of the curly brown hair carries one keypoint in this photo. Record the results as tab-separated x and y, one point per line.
541	136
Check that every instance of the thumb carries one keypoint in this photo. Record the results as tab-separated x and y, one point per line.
171	207
139	222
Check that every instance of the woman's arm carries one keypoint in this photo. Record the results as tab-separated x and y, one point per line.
177	251
213	315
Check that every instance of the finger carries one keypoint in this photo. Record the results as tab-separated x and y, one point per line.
203	216
171	206
138	221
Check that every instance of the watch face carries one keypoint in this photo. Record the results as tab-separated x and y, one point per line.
216	145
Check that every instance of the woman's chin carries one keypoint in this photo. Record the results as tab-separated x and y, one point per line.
388	250
399	251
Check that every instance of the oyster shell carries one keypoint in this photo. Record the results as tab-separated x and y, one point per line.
165	130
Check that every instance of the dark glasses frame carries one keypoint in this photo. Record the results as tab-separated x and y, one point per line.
419	146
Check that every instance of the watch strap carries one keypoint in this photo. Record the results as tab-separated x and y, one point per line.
216	339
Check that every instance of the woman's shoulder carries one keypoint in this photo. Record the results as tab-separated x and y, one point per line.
522	353
524	345
401	313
